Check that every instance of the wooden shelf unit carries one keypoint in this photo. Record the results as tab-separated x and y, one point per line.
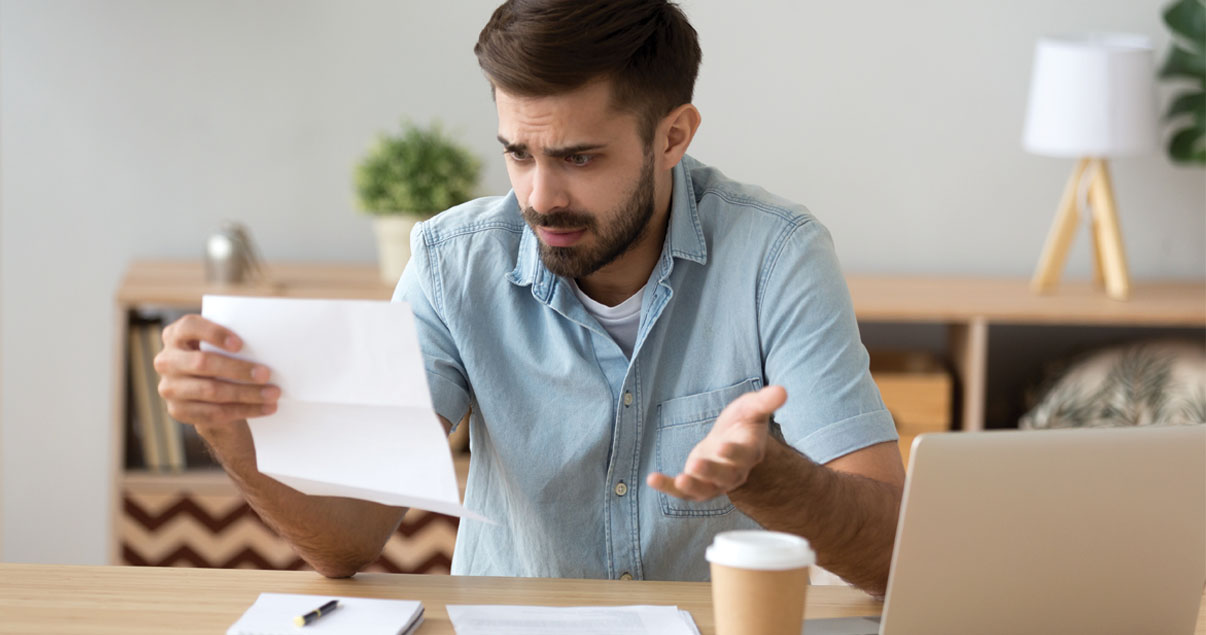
205	498
966	307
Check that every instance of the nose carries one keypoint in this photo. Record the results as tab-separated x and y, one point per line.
548	192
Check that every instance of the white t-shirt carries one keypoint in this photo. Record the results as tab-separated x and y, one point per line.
621	321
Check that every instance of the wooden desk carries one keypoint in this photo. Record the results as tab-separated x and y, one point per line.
130	600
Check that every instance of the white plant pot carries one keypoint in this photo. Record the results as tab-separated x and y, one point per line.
393	244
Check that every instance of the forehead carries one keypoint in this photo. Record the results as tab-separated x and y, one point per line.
582	115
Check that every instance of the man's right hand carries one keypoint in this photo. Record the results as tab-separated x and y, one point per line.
207	388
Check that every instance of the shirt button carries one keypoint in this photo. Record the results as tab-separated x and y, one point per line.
626	576
621	489
627	399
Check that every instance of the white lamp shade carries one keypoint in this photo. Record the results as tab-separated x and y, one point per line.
1092	95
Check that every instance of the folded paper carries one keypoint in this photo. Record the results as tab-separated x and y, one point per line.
355	417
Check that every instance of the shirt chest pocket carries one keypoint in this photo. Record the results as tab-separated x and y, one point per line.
681	424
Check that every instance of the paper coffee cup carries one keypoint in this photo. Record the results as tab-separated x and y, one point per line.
759	580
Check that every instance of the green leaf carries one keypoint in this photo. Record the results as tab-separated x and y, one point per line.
1182	63
419	171
1189	103
1187	18
1186	146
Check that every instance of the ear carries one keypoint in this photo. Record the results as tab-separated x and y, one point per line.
674	134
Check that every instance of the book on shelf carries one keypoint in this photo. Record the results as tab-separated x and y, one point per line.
144	401
169	428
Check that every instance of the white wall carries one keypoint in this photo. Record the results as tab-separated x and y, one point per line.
130	129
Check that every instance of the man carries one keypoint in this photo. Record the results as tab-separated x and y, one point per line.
624	324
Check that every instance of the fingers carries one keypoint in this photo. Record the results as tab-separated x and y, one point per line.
683	486
663	483
213	391
758	406
724	476
189	331
695	489
201	413
740	453
207	388
177	361
204	401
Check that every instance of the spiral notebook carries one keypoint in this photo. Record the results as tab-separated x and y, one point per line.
273	614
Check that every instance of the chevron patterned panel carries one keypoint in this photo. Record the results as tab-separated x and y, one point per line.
182	529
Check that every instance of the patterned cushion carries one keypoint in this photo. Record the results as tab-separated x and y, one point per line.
1147	383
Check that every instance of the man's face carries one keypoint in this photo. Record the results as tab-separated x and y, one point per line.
581	173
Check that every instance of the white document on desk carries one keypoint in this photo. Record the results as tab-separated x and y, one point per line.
355	417
560	620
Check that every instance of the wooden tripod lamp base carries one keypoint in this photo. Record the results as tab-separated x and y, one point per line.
1109	259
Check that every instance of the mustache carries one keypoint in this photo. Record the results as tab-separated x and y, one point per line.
564	219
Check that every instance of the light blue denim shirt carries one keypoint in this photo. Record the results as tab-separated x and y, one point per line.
747	293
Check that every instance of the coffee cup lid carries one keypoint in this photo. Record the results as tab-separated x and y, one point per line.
756	549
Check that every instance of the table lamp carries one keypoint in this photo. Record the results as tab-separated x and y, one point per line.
1092	97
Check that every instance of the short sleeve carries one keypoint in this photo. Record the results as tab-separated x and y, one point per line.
811	347
419	286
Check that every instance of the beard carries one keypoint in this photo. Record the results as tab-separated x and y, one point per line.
631	221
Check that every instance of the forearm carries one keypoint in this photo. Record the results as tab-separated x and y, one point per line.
850	520
336	536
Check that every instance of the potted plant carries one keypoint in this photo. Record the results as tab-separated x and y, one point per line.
408	177
1187	61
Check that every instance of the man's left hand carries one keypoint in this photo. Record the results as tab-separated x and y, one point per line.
723	460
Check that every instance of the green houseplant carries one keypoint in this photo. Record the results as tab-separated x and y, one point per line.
408	176
1187	61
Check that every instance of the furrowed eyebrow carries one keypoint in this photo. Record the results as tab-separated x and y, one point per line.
552	152
512	147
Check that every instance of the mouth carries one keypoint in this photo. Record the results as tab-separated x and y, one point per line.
560	237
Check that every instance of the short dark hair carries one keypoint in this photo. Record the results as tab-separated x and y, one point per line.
647	48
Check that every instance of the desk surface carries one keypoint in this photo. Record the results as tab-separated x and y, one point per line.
131	600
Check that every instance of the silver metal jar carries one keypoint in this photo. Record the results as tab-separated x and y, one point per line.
230	256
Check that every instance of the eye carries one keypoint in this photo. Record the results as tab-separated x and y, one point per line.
517	155
579	160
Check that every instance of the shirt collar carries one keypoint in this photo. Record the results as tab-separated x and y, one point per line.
684	238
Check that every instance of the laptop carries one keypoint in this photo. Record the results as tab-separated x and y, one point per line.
1091	530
